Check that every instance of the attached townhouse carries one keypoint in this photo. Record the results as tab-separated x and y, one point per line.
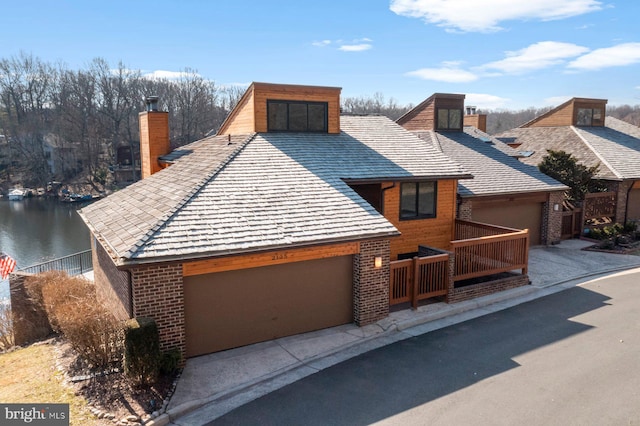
291	219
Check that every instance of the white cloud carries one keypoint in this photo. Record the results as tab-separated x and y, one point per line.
447	73
620	55
166	75
536	56
486	15
355	47
321	43
485	101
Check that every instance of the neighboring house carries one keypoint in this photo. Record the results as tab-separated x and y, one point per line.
580	128
287	221
62	156
127	166
503	191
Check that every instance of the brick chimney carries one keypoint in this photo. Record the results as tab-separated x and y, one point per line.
472	118
154	137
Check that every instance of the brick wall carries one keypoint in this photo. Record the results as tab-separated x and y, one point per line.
112	285
370	284
158	293
464	210
30	320
622	190
154	140
486	288
552	219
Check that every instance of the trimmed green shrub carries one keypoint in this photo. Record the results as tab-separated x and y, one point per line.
170	361
142	350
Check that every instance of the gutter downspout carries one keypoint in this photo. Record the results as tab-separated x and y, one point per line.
130	275
383	190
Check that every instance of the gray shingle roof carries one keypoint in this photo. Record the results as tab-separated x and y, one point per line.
494	172
540	139
483	136
615	147
274	190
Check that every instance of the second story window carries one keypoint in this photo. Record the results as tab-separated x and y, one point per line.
293	116
449	119
418	200
589	117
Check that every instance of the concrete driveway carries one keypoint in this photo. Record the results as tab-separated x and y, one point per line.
212	385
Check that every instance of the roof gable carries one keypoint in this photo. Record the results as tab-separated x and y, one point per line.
424	115
567	114
250	114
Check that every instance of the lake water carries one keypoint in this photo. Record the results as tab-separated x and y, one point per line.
36	230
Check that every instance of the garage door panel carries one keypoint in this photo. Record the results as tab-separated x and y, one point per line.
237	308
512	215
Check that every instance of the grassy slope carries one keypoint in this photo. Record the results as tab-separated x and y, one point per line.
29	375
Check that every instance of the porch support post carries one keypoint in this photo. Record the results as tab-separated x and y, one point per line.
451	282
371	284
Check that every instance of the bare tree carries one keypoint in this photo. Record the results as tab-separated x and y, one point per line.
25	95
374	105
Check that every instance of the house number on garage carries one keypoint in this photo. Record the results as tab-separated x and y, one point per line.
279	256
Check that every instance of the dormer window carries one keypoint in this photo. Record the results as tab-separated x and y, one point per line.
296	116
449	119
589	117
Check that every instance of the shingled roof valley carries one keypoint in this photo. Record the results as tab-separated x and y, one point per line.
615	147
494	171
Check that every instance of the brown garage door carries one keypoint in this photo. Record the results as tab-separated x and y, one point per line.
236	308
512	215
633	205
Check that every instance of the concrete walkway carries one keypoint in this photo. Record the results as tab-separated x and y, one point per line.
215	384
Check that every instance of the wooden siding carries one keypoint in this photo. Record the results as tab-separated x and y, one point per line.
449	101
435	232
422	119
567	113
242	119
251	113
254	260
563	116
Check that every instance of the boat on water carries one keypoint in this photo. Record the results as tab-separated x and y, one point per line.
16	194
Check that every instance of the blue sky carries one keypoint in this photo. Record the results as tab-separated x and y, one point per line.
500	53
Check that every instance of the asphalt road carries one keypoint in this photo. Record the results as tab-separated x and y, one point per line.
572	358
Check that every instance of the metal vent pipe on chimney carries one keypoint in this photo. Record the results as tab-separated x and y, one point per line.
152	103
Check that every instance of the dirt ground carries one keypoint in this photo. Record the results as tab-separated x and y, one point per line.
111	394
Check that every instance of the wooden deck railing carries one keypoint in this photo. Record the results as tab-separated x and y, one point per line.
419	278
466	230
495	249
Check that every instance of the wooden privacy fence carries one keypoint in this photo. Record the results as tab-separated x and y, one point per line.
571	223
492	254
419	278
